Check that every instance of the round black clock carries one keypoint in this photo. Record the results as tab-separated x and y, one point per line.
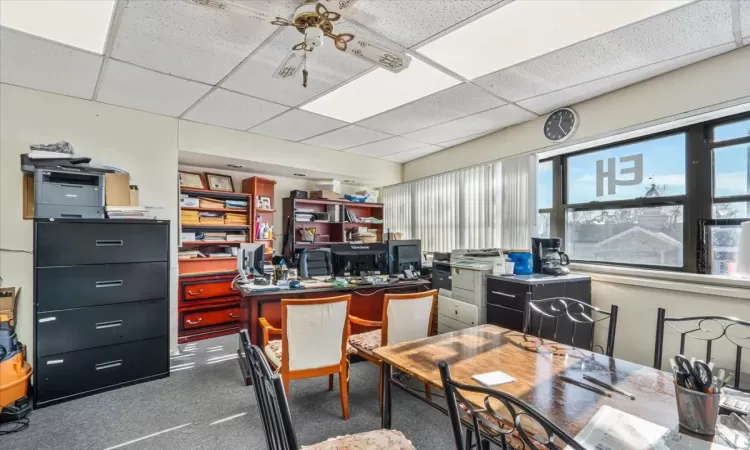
560	125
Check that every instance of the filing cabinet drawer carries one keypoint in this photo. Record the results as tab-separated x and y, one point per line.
89	370
80	286
460	311
73	243
463	278
505	317
209	318
97	326
507	293
192	291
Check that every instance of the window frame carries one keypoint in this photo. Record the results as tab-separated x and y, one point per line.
697	202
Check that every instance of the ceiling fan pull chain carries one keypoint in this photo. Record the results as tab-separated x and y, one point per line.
304	70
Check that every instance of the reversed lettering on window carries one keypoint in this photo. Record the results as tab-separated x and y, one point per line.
636	170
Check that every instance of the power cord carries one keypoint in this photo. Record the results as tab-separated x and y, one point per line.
15	426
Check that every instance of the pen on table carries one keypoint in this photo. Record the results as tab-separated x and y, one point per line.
585	386
609	386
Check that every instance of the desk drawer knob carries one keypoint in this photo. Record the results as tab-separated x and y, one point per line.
200	291
190	322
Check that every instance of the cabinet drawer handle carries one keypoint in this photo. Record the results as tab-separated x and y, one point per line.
47	319
108	365
200	291
112	324
503	294
233	316
55	361
194	323
109	243
105	284
72	216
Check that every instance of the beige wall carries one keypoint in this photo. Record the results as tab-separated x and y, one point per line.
144	144
707	84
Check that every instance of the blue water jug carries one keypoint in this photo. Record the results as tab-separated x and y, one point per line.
522	262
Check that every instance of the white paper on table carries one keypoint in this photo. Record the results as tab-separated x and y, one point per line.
612	429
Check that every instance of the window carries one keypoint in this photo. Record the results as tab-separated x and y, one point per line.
640	203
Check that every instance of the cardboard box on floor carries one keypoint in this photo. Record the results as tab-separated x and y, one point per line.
117	189
9	302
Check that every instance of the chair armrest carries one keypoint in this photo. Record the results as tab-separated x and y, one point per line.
267	330
365	322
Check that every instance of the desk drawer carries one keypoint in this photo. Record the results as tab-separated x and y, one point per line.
505	317
192	291
88	370
80	286
507	293
106	242
97	326
460	311
209	318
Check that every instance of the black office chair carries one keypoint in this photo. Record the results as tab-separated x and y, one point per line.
275	415
575	312
493	426
704	328
315	263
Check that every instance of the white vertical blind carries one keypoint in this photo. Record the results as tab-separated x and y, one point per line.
518	202
397	210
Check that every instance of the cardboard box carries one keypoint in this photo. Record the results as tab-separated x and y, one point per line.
9	302
117	189
134	195
327	195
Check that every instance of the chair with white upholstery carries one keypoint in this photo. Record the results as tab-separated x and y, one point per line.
406	317
314	335
277	421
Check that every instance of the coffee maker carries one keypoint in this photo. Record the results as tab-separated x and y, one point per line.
547	257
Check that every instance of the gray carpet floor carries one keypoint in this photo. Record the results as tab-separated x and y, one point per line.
204	404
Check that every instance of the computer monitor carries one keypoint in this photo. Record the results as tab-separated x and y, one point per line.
250	260
404	254
353	260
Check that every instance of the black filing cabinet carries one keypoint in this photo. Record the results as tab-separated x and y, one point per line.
506	301
101	305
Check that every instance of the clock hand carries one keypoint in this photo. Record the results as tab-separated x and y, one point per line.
559	125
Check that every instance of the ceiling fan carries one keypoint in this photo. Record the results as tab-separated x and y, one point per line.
316	23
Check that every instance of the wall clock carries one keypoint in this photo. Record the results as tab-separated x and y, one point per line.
560	125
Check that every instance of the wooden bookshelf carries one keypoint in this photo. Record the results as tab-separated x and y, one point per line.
261	187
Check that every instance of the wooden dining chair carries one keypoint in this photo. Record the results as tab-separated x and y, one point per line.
574	313
704	328
314	342
277	420
406	317
491	425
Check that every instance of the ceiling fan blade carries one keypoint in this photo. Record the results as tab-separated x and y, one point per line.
232	7
289	66
392	60
282	22
336	5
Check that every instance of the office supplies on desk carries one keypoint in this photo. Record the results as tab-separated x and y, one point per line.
608	386
583	385
734	431
735	400
693	374
493	378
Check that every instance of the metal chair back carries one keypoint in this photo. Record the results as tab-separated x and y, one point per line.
569	310
707	329
499	427
269	393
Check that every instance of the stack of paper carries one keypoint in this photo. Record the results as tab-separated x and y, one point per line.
188	201
190	254
211	218
211	203
189	217
235	219
212	236
235	204
236	237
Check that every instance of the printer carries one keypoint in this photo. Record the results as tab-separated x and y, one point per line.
63	192
483	258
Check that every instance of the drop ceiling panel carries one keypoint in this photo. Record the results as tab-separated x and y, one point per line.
411	22
232	110
453	142
493	119
40	64
680	32
346	137
548	102
446	105
296	125
386	147
134	87
410	155
189	40
327	67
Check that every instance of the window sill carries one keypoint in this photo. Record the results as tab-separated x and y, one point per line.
720	285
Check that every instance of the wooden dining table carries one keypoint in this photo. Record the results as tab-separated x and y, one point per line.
535	363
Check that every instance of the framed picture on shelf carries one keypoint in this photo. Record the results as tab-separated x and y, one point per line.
219	182
192	180
264	202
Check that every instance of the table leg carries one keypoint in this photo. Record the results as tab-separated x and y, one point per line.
385	418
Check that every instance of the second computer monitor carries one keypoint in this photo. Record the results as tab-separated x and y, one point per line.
405	254
353	260
250	259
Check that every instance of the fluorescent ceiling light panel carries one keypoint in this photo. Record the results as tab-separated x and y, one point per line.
79	23
525	29
381	90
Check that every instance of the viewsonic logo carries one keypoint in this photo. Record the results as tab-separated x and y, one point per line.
361	247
